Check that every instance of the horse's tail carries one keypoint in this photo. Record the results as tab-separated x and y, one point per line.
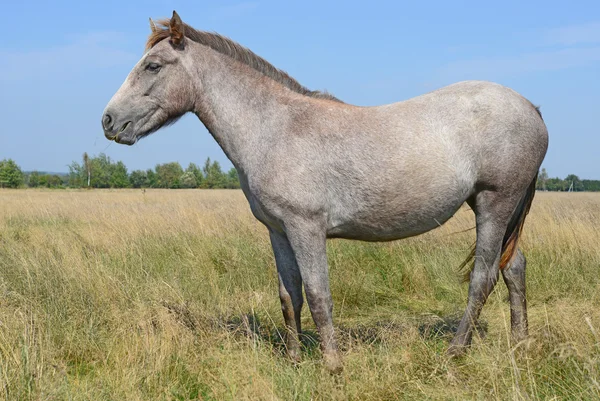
513	233
515	226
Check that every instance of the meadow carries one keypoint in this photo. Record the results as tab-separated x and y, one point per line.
172	295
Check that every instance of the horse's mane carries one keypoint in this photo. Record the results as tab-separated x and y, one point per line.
238	52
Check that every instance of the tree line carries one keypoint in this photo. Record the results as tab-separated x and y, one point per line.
102	172
569	183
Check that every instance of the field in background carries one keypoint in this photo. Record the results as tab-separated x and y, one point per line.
172	295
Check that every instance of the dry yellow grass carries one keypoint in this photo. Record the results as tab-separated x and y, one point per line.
172	295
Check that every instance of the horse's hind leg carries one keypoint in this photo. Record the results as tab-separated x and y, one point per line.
514	277
492	211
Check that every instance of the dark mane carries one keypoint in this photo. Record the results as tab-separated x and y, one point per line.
238	52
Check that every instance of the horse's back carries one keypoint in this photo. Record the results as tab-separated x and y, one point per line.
485	127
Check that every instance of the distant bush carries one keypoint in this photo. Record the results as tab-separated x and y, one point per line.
11	175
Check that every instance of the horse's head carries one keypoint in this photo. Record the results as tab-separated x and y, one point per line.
157	91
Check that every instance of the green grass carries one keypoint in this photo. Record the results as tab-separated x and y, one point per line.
172	295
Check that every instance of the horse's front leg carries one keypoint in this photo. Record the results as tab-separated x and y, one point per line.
290	291
308	241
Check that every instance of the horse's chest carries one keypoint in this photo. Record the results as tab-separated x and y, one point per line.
261	213
257	205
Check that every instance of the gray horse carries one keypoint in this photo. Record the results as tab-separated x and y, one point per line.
313	167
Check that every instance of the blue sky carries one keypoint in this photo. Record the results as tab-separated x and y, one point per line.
60	63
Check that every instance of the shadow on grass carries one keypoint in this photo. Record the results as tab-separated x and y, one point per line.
250	326
447	326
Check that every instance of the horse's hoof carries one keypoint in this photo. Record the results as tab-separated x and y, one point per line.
519	337
456	351
333	363
294	355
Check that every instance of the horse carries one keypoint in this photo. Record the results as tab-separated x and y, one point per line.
313	167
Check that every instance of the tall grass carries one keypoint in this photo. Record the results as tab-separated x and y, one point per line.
172	295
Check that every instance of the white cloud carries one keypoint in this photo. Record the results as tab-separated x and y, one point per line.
90	51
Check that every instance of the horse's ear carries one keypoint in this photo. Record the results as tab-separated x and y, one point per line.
176	30
153	27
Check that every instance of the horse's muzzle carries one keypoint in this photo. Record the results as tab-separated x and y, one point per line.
120	132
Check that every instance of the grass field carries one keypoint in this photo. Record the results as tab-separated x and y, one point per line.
172	295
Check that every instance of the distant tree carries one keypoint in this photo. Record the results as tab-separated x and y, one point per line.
98	172
33	181
197	171
53	181
168	175
188	180
11	175
87	167
138	178
572	179
542	178
591	185
555	184
118	175
233	180
213	176
100	167
151	179
76	175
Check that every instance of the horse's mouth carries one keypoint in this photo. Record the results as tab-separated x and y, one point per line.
128	139
125	135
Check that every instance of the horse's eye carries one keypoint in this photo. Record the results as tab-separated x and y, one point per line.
153	67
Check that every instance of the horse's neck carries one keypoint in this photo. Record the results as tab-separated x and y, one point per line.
241	108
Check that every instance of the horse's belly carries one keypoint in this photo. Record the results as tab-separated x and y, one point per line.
391	224
393	230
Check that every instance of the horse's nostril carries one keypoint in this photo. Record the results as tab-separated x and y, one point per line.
106	121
